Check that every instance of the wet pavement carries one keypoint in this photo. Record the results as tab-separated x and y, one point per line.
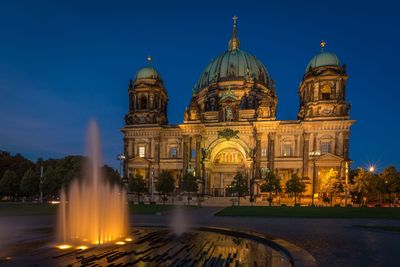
333	242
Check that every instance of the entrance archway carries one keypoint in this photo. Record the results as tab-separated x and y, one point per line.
226	160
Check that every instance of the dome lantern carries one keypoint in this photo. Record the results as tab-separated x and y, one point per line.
234	42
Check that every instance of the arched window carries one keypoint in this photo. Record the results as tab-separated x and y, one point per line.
172	152
156	101
143	102
326	92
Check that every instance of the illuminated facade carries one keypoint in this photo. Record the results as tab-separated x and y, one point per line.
230	124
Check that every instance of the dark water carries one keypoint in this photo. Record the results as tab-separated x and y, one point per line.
154	247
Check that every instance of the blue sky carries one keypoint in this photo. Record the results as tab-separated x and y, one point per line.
65	62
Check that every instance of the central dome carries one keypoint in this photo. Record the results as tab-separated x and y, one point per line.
233	65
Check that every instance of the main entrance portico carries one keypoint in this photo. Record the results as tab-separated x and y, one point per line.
226	159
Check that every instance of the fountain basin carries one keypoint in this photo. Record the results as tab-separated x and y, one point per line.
159	246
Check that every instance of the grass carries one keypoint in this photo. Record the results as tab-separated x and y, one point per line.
149	209
19	209
28	209
386	228
314	212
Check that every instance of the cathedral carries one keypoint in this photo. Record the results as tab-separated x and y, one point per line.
230	125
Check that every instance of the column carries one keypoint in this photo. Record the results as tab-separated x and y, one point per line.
198	155
186	153
258	158
152	152
306	146
157	156
271	151
346	136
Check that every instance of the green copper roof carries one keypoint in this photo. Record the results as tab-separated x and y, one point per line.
323	59
233	64
148	73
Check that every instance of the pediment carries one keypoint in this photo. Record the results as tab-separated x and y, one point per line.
139	162
328	159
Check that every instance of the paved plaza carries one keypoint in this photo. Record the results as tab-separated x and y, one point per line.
333	242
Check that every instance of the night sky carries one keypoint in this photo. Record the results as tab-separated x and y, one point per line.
65	62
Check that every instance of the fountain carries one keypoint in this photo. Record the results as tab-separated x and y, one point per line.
92	210
93	231
179	223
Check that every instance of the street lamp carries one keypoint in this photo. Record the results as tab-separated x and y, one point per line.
346	194
371	168
313	155
121	158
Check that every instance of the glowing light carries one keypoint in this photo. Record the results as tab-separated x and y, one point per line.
8	258
371	168
82	247
55	202
128	239
120	243
64	246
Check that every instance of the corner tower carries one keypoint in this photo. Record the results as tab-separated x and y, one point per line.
148	98
323	88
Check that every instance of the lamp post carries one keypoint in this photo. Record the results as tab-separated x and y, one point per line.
314	155
152	183
121	158
253	172
346	195
41	184
203	171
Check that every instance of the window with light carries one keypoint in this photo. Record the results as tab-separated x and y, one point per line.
172	152
325	147
142	151
287	150
264	152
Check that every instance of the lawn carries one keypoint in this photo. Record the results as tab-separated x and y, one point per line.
16	208
308	212
149	209
26	209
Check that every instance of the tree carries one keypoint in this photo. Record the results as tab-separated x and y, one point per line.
137	184
29	186
296	186
111	175
388	182
239	186
271	183
366	185
333	186
16	163
165	184
9	184
189	184
51	183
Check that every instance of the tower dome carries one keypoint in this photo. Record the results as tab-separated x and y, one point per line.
323	59
148	72
234	64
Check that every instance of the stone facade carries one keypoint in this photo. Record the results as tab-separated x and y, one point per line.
230	125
